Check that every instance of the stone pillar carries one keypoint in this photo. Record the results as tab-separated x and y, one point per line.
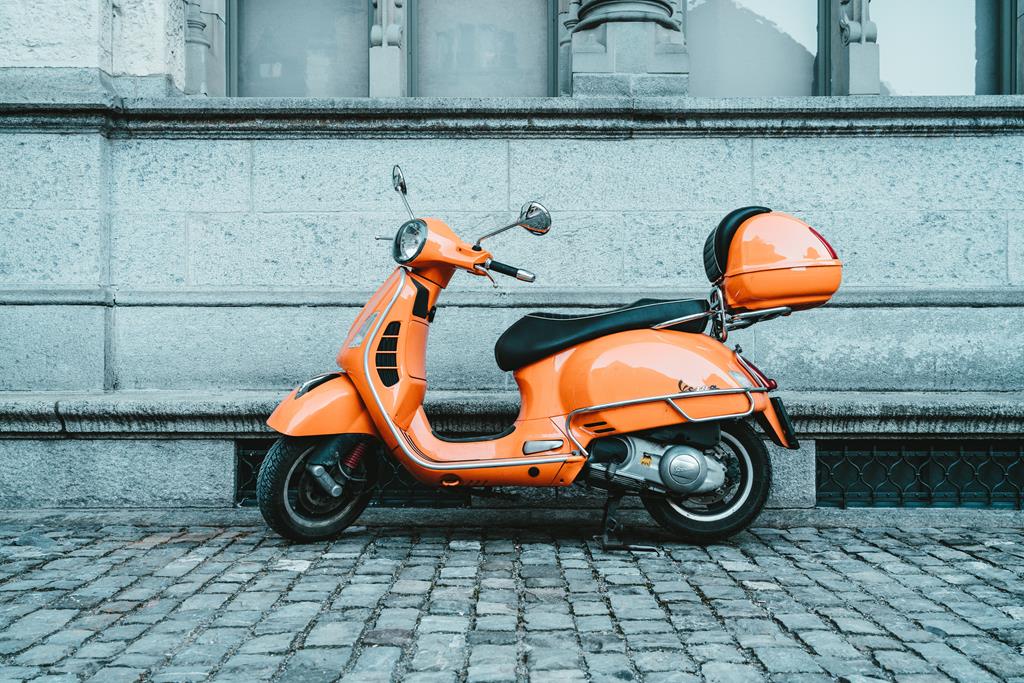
568	17
196	49
629	47
855	59
148	45
388	64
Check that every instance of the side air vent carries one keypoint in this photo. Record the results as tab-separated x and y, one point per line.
387	354
599	427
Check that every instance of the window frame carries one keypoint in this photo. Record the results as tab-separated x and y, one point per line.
823	61
1009	45
412	48
231	47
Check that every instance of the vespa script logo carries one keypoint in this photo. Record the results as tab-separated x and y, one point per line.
685	388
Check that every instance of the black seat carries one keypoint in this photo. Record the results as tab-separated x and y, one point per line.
539	335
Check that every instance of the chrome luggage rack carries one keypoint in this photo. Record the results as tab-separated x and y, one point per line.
671	400
724	321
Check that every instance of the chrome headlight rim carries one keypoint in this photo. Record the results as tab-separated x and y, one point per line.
396	249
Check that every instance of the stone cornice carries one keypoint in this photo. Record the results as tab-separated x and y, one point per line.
234	413
90	102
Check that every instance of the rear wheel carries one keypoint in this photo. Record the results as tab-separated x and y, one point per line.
729	509
292	501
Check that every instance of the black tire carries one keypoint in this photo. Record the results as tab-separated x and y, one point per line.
735	514
290	500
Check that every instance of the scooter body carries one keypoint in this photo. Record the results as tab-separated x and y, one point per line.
545	447
638	383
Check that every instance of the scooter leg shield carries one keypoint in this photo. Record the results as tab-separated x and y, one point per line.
321	407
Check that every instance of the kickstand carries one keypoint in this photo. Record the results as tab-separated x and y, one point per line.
610	528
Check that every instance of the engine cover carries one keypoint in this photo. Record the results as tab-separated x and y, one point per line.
641	464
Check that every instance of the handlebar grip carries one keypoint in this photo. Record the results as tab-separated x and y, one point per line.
511	271
503	268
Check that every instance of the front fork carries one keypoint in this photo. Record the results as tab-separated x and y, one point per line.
319	464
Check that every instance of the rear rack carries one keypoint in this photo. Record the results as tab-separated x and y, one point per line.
724	322
670	399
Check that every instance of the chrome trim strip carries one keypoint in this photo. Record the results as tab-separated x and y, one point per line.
670	399
530	447
684	319
750	370
400	436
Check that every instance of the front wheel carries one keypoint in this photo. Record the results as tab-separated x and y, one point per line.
292	501
730	509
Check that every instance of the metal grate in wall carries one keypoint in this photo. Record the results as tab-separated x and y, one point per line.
397	489
921	473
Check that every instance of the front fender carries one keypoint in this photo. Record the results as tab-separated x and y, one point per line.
328	404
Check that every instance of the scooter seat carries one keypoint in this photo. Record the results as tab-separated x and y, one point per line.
539	335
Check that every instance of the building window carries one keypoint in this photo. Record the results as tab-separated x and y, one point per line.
304	48
483	48
752	47
931	50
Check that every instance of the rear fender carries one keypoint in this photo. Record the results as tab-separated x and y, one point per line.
775	422
327	404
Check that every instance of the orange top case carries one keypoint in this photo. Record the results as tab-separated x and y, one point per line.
778	260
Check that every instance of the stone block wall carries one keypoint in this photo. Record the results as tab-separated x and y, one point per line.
183	263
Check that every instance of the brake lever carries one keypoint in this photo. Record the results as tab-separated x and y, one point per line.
487	273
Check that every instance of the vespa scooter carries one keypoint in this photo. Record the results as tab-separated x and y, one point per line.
641	400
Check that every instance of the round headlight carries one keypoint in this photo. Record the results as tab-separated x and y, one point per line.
409	241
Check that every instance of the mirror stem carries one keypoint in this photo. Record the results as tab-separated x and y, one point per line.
408	208
492	233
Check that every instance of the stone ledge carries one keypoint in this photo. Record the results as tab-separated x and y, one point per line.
816	414
66	99
538	296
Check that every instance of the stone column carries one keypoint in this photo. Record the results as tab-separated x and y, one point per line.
855	61
148	46
629	47
388	65
568	17
196	48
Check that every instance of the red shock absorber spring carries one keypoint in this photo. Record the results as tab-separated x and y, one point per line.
352	460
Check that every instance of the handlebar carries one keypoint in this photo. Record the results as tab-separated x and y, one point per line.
511	271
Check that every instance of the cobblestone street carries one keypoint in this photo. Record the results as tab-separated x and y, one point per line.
125	603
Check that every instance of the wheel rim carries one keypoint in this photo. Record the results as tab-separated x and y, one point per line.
308	505
721	504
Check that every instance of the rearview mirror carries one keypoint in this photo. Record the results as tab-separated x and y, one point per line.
398	180
535	218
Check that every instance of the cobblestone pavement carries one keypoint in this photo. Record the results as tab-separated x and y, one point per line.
125	603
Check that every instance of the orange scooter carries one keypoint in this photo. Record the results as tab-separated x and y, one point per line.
641	400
